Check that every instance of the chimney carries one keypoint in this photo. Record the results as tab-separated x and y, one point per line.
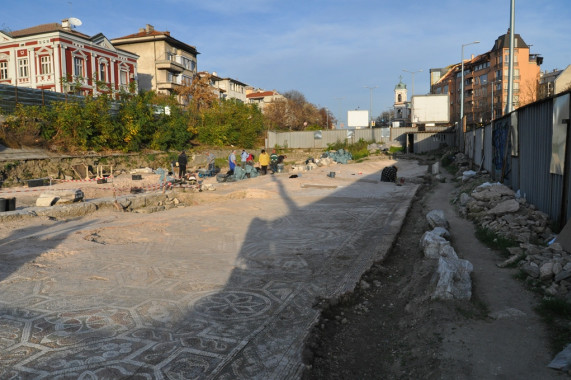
149	28
141	30
65	24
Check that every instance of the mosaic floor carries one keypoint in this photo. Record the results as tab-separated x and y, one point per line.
225	290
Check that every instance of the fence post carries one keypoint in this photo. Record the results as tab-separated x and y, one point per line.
565	193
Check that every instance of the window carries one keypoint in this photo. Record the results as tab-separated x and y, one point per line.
3	69
186	80
23	67
123	77
507	59
103	71
45	64
78	67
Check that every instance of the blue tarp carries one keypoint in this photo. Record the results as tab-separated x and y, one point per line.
341	156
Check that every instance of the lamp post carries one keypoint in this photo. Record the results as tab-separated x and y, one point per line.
462	84
371	88
339	122
412	72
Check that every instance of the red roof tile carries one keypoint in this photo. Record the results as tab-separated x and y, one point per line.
45	28
260	94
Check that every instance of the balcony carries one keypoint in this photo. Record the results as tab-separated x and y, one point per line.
167	85
170	66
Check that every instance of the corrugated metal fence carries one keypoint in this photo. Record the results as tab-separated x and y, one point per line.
320	139
528	150
11	96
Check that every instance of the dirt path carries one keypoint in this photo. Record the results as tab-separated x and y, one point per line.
391	329
511	341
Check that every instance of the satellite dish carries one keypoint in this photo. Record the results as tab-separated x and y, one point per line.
74	21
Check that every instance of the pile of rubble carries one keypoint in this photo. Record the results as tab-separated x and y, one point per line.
497	208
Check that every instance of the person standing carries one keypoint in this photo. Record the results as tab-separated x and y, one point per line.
210	160
232	161
244	156
274	161
182	161
264	161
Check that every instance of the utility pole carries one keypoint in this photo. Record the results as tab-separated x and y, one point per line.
510	105
340	110
371	88
412	72
462	84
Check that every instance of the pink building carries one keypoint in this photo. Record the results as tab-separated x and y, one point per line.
57	57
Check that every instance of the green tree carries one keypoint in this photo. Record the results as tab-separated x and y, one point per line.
231	122
136	120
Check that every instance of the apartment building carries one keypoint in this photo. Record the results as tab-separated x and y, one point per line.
59	58
230	88
261	97
486	81
165	63
554	82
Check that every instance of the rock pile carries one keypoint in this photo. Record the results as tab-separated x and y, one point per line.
507	214
452	274
497	208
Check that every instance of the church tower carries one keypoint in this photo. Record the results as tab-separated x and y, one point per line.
400	93
401	103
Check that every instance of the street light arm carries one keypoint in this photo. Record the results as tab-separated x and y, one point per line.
462	79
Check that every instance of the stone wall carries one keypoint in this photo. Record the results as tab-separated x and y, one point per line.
18	171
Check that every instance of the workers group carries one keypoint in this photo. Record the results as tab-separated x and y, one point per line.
266	160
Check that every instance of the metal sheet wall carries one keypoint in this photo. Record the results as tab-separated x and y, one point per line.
535	131
428	141
10	96
528	171
478	146
306	139
488	148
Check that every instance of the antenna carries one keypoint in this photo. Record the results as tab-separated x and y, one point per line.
74	21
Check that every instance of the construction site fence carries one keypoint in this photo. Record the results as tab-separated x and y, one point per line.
529	151
12	96
322	139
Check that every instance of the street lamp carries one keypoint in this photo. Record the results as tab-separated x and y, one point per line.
371	88
339	122
412	72
462	84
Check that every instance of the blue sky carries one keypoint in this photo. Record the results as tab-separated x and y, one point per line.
329	50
